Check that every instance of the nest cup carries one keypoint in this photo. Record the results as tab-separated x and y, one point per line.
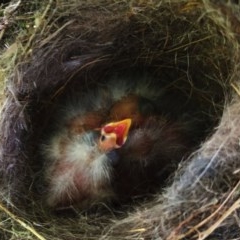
190	49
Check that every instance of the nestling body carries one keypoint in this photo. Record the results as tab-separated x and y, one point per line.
113	143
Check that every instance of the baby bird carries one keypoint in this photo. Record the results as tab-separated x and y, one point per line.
112	143
80	170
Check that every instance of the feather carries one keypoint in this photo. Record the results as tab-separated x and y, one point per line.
83	167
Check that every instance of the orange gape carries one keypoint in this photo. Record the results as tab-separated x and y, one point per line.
114	134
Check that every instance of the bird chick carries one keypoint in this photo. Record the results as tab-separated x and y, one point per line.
80	168
155	145
149	155
114	143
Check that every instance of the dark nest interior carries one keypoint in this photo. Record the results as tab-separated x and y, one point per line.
60	50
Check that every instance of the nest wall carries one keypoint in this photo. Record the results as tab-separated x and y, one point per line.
192	50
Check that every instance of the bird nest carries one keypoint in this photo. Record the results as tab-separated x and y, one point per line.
60	49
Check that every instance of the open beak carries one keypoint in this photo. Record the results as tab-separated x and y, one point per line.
114	134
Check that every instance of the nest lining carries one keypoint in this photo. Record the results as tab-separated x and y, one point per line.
193	52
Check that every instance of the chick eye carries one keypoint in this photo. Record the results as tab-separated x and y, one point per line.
102	138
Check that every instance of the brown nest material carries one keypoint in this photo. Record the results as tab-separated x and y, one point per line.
191	47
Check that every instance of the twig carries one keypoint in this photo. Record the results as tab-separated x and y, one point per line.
27	47
20	222
214	214
207	232
236	89
7	15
